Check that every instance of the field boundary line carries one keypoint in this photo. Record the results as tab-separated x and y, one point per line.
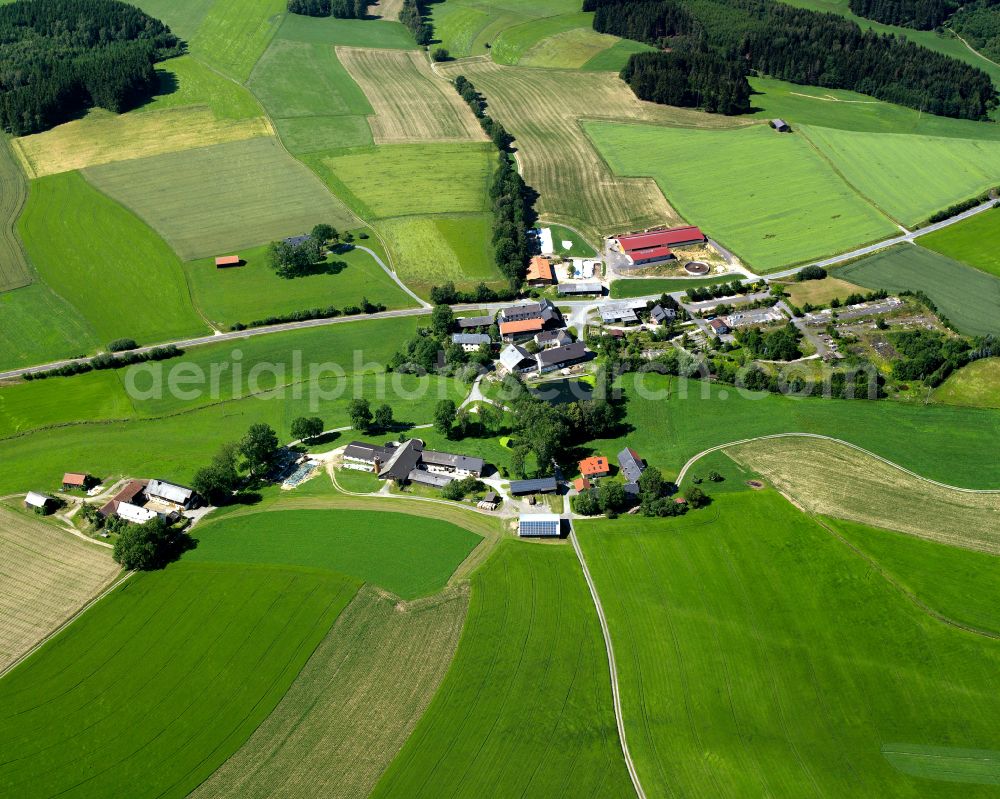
612	668
694	459
117	581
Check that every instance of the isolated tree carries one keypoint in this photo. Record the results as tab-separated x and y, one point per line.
148	546
382	418
714	476
217	481
259	446
696	498
361	414
442	320
323	233
444	416
306	427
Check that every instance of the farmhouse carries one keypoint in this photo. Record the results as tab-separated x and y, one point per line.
364	457
573	289
595	466
540	272
661	315
561	357
40	502
134	513
75	480
719	326
654	245
474	322
552	338
470	342
171	494
224	261
781	126
132	493
539	525
541	485
515	360
544	310
631	465
520	329
410	461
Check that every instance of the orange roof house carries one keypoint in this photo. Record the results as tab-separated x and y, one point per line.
74	480
540	271
581	484
521	326
596	466
227	260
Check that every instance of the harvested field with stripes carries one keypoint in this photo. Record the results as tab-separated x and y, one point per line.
829	478
14	269
354	704
542	108
411	103
47	576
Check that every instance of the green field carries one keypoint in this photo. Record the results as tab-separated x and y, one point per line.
758	655
975	241
313	100
407	555
41	327
615	57
624	288
119	276
909	177
233	34
254	291
14	269
526	707
570	49
534	37
183	16
186	81
217	200
724	181
968	297
161	681
976	385
346	32
28	406
579	247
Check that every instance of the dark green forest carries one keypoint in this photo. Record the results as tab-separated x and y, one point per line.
920	14
696	79
342	9
800	46
979	24
61	57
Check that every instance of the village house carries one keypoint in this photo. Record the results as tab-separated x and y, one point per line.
470	342
553	338
409	461
540	272
662	316
133	493
595	466
524	321
515	360
719	326
631	465
561	357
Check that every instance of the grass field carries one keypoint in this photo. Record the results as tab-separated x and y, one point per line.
410	102
976	385
819	292
353	705
233	34
828	478
974	241
151	690
187	81
30	405
14	269
407	555
121	277
315	103
569	49
41	327
526	707
558	160
615	57
254	291
349	32
721	180
535	37
967	296
578	248
48	576
215	200
909	177
624	288
758	655
183	16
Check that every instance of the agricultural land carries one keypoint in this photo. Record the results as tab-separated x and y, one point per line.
976	385
974	242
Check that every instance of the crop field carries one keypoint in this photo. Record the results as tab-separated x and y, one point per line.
219	199
40	327
121	278
467	27
741	621
439	178
722	181
516	42
48	576
820	292
388	9
570	49
233	34
254	291
183	16
976	385
353	705
828	478
314	101
411	103
525	709
967	296
624	288
615	57
186	81
407	555
974	241
558	160
14	269
909	177
170	674
380	34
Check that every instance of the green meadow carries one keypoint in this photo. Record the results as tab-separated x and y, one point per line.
14	269
615	57
516	42
967	296
909	177
186	81
525	709
759	655
975	241
624	288
407	555
119	276
217	200
569	49
233	34
976	384
346	32
40	326
159	683
42	403
725	181
579	247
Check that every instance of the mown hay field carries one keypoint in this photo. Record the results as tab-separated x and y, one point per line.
411	103
909	177
353	705
470	28
171	673
967	296
121	277
543	109
571	49
525	709
48	575
974	241
831	479
820	292
409	556
40	327
976	385
514	43
14	269
742	620
233	34
725	181
214	200
614	58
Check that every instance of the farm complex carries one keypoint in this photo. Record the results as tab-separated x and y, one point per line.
584	399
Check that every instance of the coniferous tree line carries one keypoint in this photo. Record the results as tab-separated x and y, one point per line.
342	9
60	57
921	14
691	79
412	15
800	46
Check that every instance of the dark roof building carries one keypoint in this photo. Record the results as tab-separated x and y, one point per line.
404	459
535	525
781	126
455	463
662	315
553	338
470	339
130	494
631	465
171	492
544	310
367	453
297	241
589	287
558	357
432	479
474	321
541	485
